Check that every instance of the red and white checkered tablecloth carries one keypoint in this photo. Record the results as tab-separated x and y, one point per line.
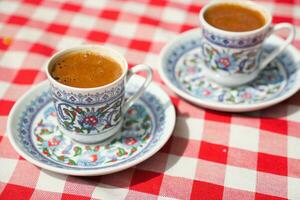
211	155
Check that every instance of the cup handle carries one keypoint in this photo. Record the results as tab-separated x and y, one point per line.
278	50
140	91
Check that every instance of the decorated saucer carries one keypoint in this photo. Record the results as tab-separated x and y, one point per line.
180	69
33	131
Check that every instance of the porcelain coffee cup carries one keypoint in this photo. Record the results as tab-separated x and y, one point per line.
91	115
235	58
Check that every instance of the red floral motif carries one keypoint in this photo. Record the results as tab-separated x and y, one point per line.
131	112
206	92
90	120
93	158
53	114
246	95
39	138
224	61
53	142
46	152
191	70
97	148
130	141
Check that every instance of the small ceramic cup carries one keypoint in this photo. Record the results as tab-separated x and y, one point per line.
91	115
234	58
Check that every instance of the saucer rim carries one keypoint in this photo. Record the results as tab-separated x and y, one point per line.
31	94
218	105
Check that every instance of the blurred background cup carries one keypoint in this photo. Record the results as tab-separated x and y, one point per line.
234	58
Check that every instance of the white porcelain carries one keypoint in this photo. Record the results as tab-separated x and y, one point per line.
234	58
181	68
91	115
34	133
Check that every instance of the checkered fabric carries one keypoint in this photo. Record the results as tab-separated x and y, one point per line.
211	155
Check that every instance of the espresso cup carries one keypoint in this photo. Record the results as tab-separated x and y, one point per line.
234	58
91	115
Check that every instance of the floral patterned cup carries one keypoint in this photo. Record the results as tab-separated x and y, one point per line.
91	115
234	58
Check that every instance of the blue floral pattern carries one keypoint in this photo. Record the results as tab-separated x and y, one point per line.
87	119
89	114
229	61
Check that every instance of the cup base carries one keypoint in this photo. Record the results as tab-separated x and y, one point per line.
229	81
94	138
